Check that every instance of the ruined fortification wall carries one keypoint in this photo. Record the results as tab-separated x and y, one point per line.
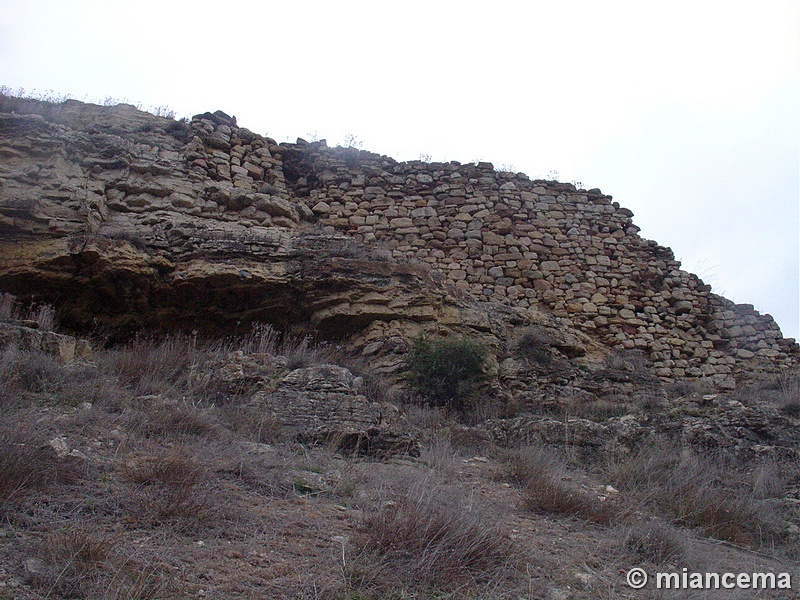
491	234
501	236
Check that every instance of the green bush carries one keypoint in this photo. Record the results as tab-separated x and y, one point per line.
447	372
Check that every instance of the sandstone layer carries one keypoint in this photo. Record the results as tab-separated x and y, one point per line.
124	220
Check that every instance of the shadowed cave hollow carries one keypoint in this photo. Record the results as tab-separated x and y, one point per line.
116	304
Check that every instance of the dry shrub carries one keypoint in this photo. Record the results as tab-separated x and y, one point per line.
85	562
170	485
27	463
534	346
654	541
170	419
633	361
428	539
707	491
548	487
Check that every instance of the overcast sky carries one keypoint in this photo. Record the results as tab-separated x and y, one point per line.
686	112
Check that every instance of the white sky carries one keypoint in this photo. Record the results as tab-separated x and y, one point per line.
686	112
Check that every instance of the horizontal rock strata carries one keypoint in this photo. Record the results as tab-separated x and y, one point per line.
127	220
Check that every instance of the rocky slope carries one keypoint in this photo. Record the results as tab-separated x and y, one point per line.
606	433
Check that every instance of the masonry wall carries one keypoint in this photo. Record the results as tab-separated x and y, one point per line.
501	236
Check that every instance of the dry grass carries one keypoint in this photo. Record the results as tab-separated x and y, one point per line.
601	409
38	377
179	484
781	391
153	417
85	562
549	487
26	462
725	500
428	541
150	366
654	541
170	486
301	353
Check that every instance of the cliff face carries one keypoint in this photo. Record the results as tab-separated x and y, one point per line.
127	220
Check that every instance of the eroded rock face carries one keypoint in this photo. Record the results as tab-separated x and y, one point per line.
125	221
128	221
707	423
326	403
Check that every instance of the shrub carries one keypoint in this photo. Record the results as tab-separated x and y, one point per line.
26	462
428	539
533	345
546	487
447	372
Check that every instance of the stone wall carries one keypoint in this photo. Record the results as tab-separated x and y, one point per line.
501	236
490	234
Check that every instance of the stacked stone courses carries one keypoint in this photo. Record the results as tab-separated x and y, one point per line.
503	237
488	234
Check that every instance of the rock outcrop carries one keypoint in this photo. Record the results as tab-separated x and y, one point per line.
125	220
63	348
326	403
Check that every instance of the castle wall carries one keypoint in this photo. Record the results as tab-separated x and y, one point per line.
490	234
501	236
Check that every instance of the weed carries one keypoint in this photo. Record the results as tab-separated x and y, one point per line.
26	462
547	487
428	539
447	372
